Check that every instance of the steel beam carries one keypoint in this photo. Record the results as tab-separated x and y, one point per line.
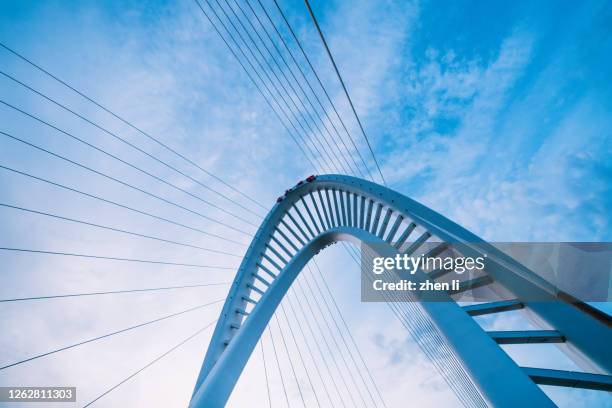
574	379
526	336
493	307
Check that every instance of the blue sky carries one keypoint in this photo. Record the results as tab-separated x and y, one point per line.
495	114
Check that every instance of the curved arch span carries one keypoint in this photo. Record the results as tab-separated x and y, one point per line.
326	209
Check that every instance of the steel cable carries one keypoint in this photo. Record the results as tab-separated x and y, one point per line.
114	203
80	343
134	374
348	97
125	184
304	135
286	47
111	258
290	84
139	130
91	224
263	94
112	292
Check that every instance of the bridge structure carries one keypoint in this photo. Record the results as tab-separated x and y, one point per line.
330	208
342	204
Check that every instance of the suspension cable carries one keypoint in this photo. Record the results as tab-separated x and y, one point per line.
257	62
461	384
348	97
420	326
112	292
105	152
297	113
111	258
333	163
278	67
263	359
136	234
298	42
149	364
259	89
314	336
325	284
334	341
327	346
310	352
299	353
346	347
306	80
280	372
290	84
415	326
122	140
295	377
251	65
131	186
114	203
159	319
139	130
404	321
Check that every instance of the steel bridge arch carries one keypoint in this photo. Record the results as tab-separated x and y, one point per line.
330	208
